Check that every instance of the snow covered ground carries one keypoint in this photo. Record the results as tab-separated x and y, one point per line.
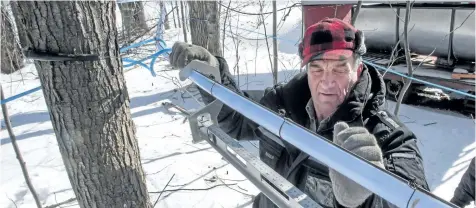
446	139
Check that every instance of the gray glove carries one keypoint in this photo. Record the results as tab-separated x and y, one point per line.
360	142
183	53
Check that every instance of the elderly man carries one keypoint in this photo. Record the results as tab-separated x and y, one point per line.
339	98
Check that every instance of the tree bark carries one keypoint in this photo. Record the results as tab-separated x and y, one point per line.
184	24
24	170
87	101
205	25
133	18
12	56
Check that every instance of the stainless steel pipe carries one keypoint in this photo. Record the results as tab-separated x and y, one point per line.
385	184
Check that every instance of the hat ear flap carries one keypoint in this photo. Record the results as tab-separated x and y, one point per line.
301	48
359	47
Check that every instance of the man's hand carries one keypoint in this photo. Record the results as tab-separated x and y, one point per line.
360	142
183	53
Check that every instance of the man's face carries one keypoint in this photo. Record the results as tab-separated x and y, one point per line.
330	82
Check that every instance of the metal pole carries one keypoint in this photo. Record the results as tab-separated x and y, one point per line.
387	185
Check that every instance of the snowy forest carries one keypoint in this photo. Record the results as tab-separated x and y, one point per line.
95	115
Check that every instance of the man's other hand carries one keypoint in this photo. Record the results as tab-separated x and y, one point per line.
183	53
360	142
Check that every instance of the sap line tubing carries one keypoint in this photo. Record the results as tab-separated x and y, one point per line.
381	182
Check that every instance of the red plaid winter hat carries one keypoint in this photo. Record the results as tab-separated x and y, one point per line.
331	39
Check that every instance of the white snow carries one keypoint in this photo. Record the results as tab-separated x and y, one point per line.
446	139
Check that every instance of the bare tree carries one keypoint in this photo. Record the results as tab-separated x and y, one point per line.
224	24
173	13
236	43
186	13
205	25
406	46
178	16
261	4
12	56
133	18
86	97
163	8
184	23
275	46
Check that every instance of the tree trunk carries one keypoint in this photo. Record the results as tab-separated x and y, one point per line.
205	25
87	101
163	9
133	18
12	56
275	46
261	4
178	16
173	14
184	24
224	25
186	13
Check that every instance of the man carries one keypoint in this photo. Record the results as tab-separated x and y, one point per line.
464	193
339	98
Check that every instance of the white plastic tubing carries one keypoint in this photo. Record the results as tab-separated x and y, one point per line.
385	184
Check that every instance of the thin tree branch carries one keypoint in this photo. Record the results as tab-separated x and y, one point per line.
163	189
237	55
395	53
261	13
17	150
61	203
192	189
408	59
221	180
266	35
224	26
14	203
356	13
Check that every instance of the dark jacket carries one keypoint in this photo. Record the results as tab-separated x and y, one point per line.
464	193
363	107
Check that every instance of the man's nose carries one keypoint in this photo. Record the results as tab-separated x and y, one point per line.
328	78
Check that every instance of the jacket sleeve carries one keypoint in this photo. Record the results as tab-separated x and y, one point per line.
464	193
400	153
230	121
